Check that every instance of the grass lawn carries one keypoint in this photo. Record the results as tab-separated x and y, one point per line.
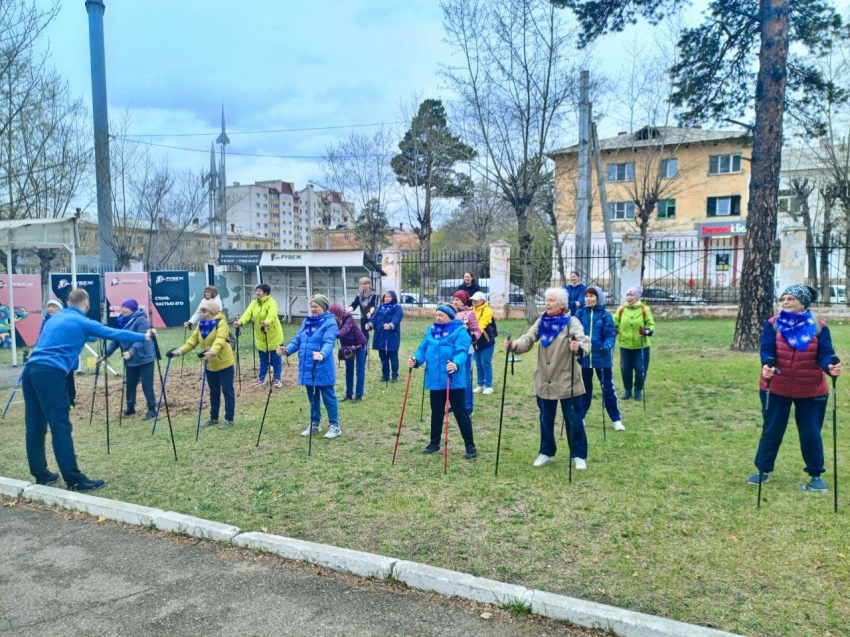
661	522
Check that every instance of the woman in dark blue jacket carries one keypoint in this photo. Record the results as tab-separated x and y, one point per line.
314	343
138	357
575	293
386	323
445	353
599	326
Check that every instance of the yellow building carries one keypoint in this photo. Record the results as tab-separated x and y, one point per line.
675	186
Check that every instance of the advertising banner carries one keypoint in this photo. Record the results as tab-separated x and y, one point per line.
170	296
124	285
230	286
61	286
28	311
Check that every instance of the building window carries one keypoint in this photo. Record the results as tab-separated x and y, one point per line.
621	210
724	206
621	172
664	255
667	209
668	168
788	202
724	164
257	204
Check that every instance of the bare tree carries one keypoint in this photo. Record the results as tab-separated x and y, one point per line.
515	87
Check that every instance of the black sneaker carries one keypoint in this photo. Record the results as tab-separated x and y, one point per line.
394	379
357	399
210	423
52	478
626	395
150	415
344	398
128	412
87	485
431	449
471	452
227	424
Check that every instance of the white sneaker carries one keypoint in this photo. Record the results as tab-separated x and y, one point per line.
543	459
478	390
618	425
580	464
487	390
316	430
333	432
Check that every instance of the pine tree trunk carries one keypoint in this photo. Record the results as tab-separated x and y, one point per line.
757	270
529	284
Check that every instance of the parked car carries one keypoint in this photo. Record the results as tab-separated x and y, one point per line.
410	298
838	295
660	295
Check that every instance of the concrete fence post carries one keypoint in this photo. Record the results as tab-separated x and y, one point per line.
793	260
500	277
630	264
391	265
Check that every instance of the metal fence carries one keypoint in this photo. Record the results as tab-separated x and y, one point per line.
437	279
596	268
831	264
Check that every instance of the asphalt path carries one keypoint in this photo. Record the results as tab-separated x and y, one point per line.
70	574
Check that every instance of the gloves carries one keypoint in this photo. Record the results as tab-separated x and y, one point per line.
173	352
645	332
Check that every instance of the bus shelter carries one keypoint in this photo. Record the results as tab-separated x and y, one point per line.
296	275
34	234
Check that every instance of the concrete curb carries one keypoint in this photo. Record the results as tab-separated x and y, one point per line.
620	621
13	488
93	505
454	584
579	612
196	527
332	557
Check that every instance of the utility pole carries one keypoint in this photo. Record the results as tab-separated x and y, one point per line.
210	180
583	198
100	114
613	259
224	140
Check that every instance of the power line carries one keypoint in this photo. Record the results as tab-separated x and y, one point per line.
266	132
231	153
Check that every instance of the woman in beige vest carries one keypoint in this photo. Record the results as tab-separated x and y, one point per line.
558	376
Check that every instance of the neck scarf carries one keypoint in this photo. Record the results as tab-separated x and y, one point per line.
797	329
442	330
207	326
551	326
121	321
313	323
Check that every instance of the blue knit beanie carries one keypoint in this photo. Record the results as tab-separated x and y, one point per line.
447	309
130	304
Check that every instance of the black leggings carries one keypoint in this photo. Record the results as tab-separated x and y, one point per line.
457	400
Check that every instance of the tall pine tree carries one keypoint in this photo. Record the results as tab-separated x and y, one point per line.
426	163
736	60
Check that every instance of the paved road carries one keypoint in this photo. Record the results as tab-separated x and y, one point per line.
67	574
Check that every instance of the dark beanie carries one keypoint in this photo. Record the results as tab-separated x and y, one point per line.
130	304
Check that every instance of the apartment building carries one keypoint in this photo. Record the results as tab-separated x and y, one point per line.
686	184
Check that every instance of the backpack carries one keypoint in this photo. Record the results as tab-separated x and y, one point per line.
620	317
494	332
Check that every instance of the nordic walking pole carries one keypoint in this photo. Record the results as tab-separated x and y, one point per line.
162	382
835	361
106	388
502	408
182	360
94	390
254	351
643	371
271	385
121	402
401	418
162	392
201	404
387	358
446	437
422	402
14	391
572	405
312	400
238	362
772	364
602	401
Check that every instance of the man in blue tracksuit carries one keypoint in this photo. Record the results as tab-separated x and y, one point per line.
45	396
599	326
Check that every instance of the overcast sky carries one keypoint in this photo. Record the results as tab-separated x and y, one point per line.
275	64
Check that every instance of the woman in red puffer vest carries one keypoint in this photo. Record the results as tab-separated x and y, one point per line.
796	350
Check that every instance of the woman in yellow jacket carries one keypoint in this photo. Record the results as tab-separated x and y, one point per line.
268	333
484	345
635	325
213	335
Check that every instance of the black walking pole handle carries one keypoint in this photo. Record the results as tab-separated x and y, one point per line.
201	354
156	347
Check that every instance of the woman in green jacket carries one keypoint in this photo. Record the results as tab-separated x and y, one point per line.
635	325
268	333
213	335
